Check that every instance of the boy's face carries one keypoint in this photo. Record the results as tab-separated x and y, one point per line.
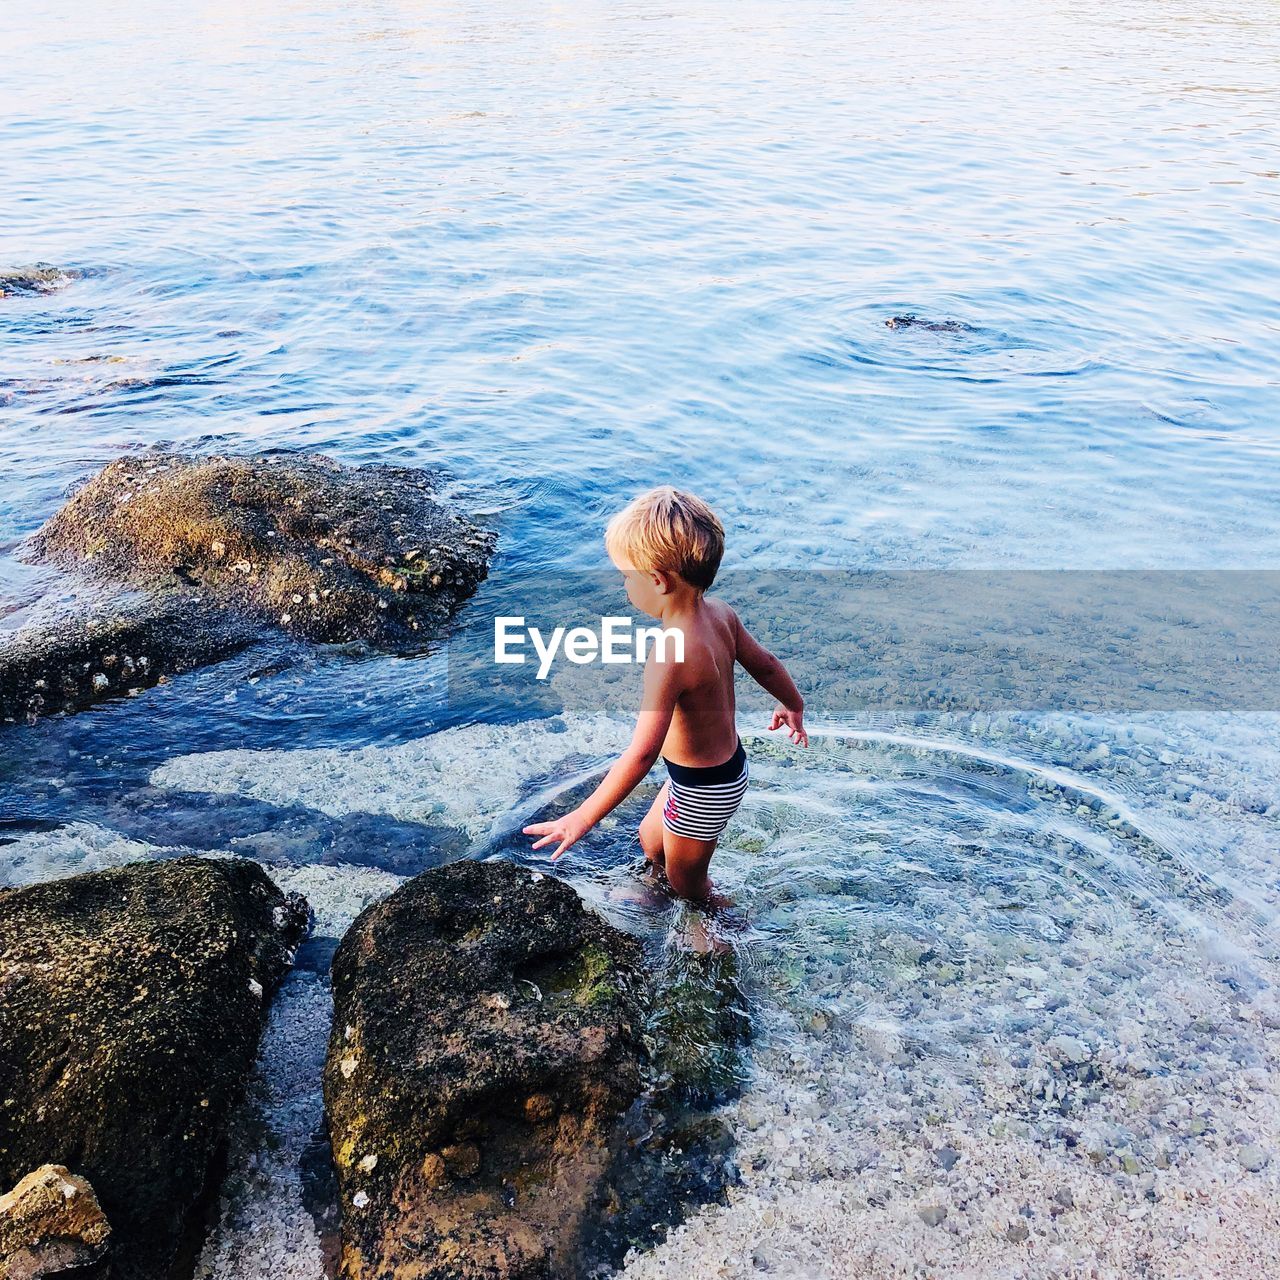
645	589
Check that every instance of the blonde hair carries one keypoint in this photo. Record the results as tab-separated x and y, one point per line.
668	530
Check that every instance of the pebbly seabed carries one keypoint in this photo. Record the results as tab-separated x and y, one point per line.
1008	1015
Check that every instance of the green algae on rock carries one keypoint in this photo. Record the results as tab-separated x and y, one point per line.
698	1028
131	1004
486	1042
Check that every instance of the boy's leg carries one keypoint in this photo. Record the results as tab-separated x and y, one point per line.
687	860
651	828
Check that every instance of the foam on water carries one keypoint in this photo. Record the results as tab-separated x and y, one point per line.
37	856
466	778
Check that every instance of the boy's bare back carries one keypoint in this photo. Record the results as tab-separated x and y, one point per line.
703	727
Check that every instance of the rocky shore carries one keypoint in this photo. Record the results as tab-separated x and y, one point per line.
209	553
508	1091
131	1003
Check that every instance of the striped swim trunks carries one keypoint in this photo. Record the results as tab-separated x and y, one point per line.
702	799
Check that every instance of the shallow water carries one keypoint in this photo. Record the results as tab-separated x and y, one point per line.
567	253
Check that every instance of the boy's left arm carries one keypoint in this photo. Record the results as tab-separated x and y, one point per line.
661	685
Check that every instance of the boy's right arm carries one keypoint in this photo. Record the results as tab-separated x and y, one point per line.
771	675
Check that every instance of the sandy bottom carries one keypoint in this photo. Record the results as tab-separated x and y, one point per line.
852	1168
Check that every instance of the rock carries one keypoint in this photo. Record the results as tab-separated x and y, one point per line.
913	321
332	553
1070	1049
69	662
38	278
227	549
131	1002
946	1157
51	1225
1032	973
487	1037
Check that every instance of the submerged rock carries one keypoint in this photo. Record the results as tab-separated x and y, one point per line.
131	1003
226	549
486	1042
72	661
51	1225
913	321
698	1028
38	278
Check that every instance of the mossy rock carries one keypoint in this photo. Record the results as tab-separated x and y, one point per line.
131	1004
487	1041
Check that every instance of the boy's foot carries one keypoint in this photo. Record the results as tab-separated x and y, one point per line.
651	888
717	901
702	940
650	872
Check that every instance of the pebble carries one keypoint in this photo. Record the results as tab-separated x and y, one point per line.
1070	1049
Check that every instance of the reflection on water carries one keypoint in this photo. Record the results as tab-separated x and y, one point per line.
661	238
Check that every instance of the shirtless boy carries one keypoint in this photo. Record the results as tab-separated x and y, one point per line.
668	544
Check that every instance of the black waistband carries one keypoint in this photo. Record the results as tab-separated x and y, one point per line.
707	775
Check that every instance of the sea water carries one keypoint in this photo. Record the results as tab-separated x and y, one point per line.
947	288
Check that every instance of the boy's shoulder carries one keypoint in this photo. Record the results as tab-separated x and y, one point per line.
725	623
726	616
720	610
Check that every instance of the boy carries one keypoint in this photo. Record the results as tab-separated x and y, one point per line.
667	545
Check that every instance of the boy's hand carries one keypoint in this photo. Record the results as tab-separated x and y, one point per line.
794	720
567	830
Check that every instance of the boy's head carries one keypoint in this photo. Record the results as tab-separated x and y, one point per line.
668	531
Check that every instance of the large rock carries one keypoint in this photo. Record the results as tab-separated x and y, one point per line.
51	1225
131	1003
225	550
329	552
487	1037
